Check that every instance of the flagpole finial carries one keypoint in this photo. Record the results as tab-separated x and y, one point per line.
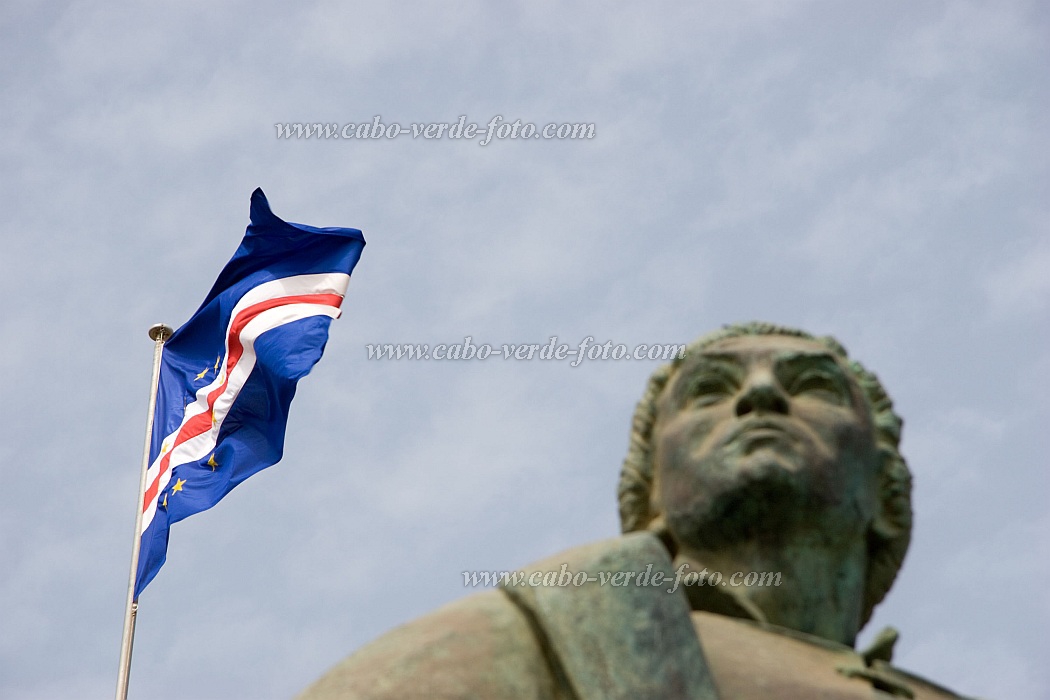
160	331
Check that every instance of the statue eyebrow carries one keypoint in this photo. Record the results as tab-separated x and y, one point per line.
795	356
720	358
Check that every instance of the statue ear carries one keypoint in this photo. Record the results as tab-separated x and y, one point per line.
890	531
892	507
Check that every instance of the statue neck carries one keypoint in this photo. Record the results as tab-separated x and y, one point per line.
820	591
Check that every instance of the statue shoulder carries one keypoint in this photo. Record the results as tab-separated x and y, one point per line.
747	658
924	687
481	646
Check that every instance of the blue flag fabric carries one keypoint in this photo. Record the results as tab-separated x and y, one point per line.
228	375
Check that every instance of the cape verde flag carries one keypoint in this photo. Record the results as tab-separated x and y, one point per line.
228	375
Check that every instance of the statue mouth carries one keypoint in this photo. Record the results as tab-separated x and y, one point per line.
761	434
762	429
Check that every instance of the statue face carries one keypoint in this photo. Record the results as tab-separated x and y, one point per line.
759	436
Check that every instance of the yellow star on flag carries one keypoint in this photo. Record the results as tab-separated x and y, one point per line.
201	375
211	462
165	503
178	485
217	358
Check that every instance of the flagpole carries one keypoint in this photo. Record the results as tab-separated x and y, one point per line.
158	333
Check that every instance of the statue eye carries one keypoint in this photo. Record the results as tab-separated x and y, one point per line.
820	384
709	388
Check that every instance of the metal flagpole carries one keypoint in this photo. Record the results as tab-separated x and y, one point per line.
159	333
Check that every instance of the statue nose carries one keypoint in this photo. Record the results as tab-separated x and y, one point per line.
762	396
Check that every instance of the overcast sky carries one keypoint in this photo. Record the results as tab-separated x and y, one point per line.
875	171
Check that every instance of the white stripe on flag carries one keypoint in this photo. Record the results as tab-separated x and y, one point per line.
200	446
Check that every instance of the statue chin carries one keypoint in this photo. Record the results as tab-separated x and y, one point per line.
763	493
764	500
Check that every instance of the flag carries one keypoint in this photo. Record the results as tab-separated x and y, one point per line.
228	375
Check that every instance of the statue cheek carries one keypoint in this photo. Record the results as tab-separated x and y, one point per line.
682	477
844	438
677	488
682	444
852	477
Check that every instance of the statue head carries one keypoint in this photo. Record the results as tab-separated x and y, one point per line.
760	431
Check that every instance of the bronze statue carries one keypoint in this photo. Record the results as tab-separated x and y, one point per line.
766	510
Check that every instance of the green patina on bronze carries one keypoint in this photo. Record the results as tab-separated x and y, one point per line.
888	536
762	449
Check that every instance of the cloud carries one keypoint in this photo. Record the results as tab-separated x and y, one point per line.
1020	286
876	174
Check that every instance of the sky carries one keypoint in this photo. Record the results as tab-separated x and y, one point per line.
873	171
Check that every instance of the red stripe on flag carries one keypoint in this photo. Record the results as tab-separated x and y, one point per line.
201	423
